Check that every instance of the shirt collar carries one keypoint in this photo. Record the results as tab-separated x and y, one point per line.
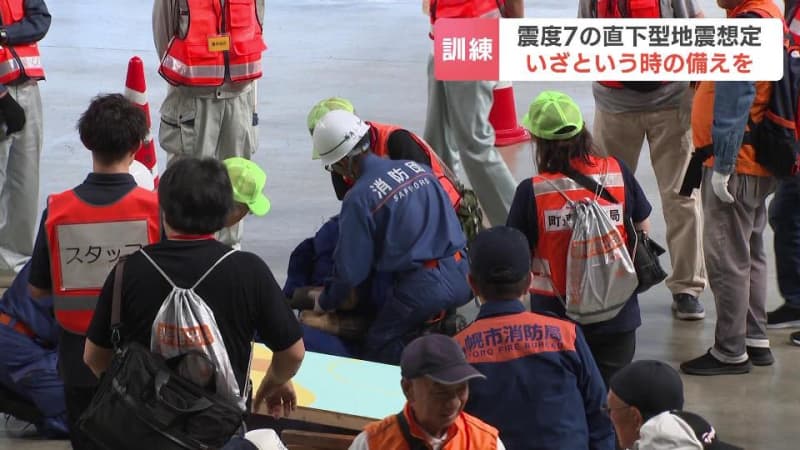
110	179
500	308
418	432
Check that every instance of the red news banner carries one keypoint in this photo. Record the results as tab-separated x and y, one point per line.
608	49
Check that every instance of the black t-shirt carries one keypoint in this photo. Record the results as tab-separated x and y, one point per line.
98	189
241	291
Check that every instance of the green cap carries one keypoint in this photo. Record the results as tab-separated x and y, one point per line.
554	116
322	108
248	181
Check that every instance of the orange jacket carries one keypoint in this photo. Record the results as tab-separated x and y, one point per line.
703	106
467	433
237	43
20	58
85	241
549	267
380	146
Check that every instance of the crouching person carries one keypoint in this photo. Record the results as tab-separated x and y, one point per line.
435	382
30	388
236	286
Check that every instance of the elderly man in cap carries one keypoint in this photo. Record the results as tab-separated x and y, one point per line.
680	430
638	392
435	383
541	368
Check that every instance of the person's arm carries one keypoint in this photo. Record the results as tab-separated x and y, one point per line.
732	102
593	390
353	256
97	358
637	207
514	9
97	352
165	24
522	214
40	282
33	26
276	388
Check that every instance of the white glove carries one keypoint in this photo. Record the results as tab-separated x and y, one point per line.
719	183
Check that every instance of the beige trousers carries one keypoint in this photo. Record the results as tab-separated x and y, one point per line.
669	136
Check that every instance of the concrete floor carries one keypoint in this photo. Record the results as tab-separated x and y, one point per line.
373	52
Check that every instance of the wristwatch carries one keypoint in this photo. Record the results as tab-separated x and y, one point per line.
3	36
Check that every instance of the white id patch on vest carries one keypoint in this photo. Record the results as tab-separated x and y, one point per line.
88	251
562	219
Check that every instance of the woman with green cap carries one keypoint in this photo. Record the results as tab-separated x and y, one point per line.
564	154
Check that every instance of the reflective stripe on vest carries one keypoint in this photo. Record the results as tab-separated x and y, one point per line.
188	60
380	146
85	242
554	221
20	58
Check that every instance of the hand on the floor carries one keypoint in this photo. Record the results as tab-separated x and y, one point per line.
719	183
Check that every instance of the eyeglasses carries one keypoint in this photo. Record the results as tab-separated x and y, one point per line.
607	410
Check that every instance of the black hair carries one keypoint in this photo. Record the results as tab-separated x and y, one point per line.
554	156
112	127
195	195
490	290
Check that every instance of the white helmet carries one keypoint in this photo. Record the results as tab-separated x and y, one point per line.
337	133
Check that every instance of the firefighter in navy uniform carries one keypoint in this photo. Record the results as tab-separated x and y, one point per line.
83	233
400	222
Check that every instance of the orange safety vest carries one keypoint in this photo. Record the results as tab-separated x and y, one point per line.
380	146
467	433
610	9
549	264
213	48
703	105
467	9
85	241
19	58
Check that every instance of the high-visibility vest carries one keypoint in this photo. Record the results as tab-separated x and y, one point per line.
212	47
19	58
380	146
549	263
610	9
703	104
85	242
466	433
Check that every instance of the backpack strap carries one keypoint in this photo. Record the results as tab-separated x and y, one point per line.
413	442
116	303
169	280
212	268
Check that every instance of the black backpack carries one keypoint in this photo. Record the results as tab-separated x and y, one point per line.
775	137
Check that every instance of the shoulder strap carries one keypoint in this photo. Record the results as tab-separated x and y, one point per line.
169	280
116	302
413	442
212	268
590	184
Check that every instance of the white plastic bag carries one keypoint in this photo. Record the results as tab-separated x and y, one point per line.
600	273
185	323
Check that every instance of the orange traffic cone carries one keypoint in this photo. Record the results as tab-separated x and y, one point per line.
136	92
503	117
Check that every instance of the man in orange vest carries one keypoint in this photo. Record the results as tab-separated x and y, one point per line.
211	57
628	112
457	123
734	192
83	233
22	24
435	382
